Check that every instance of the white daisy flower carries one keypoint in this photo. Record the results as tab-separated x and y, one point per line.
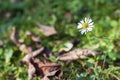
85	25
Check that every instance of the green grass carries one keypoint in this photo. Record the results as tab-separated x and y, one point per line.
24	15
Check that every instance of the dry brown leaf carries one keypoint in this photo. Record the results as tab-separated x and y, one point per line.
27	58
47	30
52	73
68	15
33	36
36	38
31	71
1	43
49	74
49	69
23	47
26	49
14	37
45	78
38	51
76	54
44	69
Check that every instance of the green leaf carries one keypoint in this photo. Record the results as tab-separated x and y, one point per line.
90	62
113	23
113	55
80	78
1	51
53	59
8	54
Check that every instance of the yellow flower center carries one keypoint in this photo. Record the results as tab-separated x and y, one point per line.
84	25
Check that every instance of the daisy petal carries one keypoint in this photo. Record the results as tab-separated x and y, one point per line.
90	20
91	23
79	26
83	31
86	20
91	26
89	29
82	21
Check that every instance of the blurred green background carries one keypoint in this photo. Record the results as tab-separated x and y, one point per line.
64	16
